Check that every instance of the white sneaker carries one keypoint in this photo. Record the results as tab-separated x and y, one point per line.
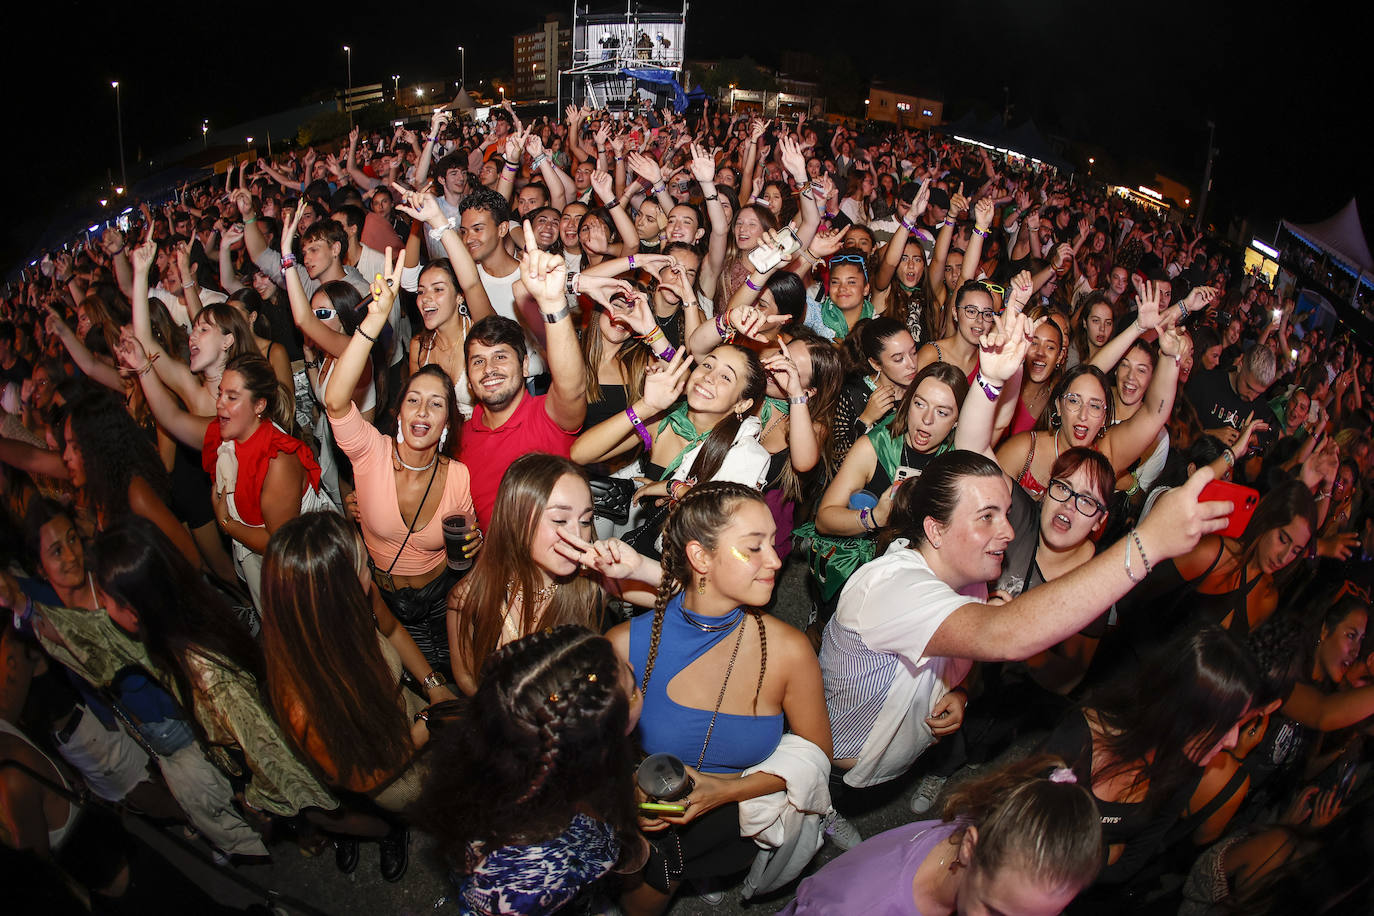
839	831
708	891
927	793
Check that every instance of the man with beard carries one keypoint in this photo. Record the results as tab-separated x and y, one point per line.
507	421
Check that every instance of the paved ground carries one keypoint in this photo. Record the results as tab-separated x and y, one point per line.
424	890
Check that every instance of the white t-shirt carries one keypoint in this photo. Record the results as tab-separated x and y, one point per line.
879	684
501	292
178	309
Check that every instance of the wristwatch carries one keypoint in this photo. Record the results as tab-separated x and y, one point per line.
432	680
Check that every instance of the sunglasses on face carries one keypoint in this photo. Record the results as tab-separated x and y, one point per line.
325	314
1087	506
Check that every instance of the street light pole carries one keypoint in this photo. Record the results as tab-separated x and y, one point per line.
1206	176
205	133
348	96
119	122
462	68
396	87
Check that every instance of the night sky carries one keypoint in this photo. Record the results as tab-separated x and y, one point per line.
1286	92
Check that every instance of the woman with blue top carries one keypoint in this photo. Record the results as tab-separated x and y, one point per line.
722	683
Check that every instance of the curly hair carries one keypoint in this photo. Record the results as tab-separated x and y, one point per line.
114	451
545	737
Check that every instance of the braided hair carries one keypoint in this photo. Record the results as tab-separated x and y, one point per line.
699	516
544	737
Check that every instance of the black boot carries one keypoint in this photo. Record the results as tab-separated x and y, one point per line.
346	854
395	853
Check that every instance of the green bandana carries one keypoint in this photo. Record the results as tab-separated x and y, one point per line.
770	405
680	424
834	319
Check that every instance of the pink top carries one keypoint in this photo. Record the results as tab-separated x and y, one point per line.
383	527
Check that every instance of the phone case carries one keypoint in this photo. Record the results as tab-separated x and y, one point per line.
1243	500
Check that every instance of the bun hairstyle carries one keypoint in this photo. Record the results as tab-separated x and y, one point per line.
1032	815
544	738
935	493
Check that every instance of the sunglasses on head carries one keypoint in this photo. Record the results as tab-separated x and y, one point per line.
850	259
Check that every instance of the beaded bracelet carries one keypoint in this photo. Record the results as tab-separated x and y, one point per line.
638	424
359	329
1141	547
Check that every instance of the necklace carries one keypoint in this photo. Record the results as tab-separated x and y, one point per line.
721	699
509	628
706	627
411	467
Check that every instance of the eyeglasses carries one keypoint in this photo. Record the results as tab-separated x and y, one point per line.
1087	506
325	314
973	313
1095	408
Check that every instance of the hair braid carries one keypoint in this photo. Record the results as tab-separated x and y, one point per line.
763	654
548	757
665	591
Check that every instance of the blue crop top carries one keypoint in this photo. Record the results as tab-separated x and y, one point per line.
737	742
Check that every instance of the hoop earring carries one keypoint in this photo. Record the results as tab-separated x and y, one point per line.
443	438
1054	419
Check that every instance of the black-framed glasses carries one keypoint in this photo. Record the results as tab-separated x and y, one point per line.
973	313
1087	506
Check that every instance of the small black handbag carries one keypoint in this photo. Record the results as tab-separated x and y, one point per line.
611	497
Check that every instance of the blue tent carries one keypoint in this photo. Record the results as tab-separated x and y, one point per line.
661	81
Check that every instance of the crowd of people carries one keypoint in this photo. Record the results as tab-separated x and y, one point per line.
441	480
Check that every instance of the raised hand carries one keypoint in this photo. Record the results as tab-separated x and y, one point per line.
291	221
1022	286
604	186
534	145
958	203
424	207
790	154
827	243
919	202
982	213
645	168
602	290
545	276
1002	351
754	324
386	284
784	370
703	164
664	383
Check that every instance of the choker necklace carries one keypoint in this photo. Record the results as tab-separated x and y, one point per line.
411	467
691	618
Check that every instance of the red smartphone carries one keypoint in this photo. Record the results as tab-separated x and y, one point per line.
1243	500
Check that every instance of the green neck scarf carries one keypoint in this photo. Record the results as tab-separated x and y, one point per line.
833	317
769	406
679	423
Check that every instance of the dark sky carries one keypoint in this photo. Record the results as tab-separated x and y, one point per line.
1285	91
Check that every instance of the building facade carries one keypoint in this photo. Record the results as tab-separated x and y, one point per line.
538	57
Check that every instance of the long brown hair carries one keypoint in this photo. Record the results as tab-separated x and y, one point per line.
943	372
722	436
323	663
699	516
632	359
505	575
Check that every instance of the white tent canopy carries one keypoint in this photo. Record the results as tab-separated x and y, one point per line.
1341	236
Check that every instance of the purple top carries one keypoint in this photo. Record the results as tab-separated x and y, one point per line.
874	878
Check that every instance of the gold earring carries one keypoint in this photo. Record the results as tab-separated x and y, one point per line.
701	586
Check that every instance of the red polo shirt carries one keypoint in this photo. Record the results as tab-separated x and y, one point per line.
488	452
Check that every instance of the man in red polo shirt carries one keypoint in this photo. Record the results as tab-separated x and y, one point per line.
507	421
